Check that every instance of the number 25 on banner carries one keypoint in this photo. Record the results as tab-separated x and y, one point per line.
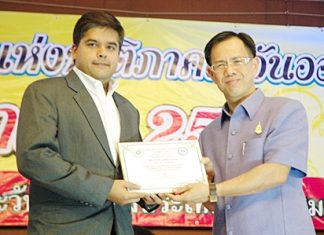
8	128
169	122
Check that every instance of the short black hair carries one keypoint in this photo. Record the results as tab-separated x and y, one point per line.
220	37
94	19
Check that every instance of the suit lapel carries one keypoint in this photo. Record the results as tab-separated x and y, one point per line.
88	107
119	101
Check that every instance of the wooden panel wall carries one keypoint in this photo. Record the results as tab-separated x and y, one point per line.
279	12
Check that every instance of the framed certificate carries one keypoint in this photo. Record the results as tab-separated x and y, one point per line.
159	167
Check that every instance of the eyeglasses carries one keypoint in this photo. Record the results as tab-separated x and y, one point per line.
235	62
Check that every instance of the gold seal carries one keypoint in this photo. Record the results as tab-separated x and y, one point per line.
258	129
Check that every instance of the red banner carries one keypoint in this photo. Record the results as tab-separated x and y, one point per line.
314	190
14	197
174	215
14	206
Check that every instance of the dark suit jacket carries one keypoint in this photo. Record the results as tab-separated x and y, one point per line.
63	149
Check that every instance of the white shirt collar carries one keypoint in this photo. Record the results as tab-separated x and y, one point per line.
93	85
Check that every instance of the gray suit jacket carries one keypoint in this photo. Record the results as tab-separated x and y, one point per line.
63	149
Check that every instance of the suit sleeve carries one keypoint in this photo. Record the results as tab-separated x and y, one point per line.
39	152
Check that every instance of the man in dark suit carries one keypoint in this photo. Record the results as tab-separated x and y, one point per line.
68	131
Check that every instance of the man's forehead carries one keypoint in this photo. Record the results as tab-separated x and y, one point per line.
228	49
103	35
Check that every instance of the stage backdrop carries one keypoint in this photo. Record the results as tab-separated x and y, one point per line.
162	71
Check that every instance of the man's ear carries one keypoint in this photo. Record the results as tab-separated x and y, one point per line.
210	72
73	51
256	64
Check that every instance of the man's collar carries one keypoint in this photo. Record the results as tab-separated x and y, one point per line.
93	84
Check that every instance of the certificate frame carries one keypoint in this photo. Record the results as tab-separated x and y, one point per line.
159	167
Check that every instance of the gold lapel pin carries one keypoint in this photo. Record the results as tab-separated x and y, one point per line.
258	129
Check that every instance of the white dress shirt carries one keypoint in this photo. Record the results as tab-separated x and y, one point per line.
106	107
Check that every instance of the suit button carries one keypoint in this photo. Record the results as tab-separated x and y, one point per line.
230	156
233	132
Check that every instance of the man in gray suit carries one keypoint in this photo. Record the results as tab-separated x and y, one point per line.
68	131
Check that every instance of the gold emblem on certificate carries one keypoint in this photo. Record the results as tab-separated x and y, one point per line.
161	166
